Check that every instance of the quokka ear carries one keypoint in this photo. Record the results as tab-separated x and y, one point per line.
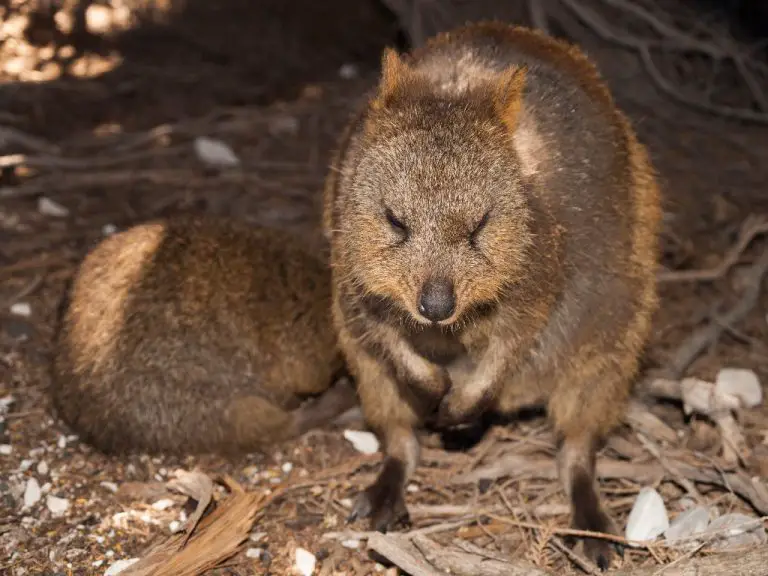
395	73
508	97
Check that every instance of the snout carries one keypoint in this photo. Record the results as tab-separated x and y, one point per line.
437	301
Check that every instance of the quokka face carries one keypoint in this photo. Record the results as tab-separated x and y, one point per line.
435	222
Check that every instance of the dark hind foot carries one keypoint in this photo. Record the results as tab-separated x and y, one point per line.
588	515
384	500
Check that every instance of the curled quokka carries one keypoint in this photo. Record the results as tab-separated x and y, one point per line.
493	223
198	335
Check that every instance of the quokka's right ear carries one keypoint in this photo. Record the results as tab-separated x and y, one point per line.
509	95
395	74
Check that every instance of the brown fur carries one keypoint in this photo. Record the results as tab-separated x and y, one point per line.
554	293
197	334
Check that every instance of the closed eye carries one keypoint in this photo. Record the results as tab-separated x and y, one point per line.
396	224
478	229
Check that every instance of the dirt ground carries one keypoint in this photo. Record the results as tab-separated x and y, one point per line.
276	81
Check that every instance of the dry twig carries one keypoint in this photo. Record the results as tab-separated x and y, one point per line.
672	39
752	227
701	339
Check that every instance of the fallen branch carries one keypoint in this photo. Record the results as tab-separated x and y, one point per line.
402	553
477	563
424	557
701	339
752	227
640	419
672	39
751	563
519	467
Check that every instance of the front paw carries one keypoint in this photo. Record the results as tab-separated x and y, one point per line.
456	409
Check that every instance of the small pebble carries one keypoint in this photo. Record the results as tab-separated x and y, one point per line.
305	562
348	71
163	504
119	566
97	563
254	553
6	449
741	383
48	207
25	465
361	441
648	518
21	309
215	153
346	502
257	536
32	493
108	229
42	468
412	488
57	506
174	526
287	467
351	544
111	486
61	442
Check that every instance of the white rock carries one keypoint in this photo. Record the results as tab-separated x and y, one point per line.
305	562
57	506
62	442
174	526
48	207
412	488
740	383
351	544
21	309
163	504
692	521
736	531
254	553
215	152
25	465
119	566
97	563
361	441
6	449
287	467
108	229
648	518
257	536
111	486
42	468
346	502
348	71
32	493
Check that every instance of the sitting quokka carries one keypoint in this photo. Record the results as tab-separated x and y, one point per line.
198	335
493	223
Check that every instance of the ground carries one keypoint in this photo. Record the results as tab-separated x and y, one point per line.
276	81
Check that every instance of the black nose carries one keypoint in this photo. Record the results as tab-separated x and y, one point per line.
437	301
